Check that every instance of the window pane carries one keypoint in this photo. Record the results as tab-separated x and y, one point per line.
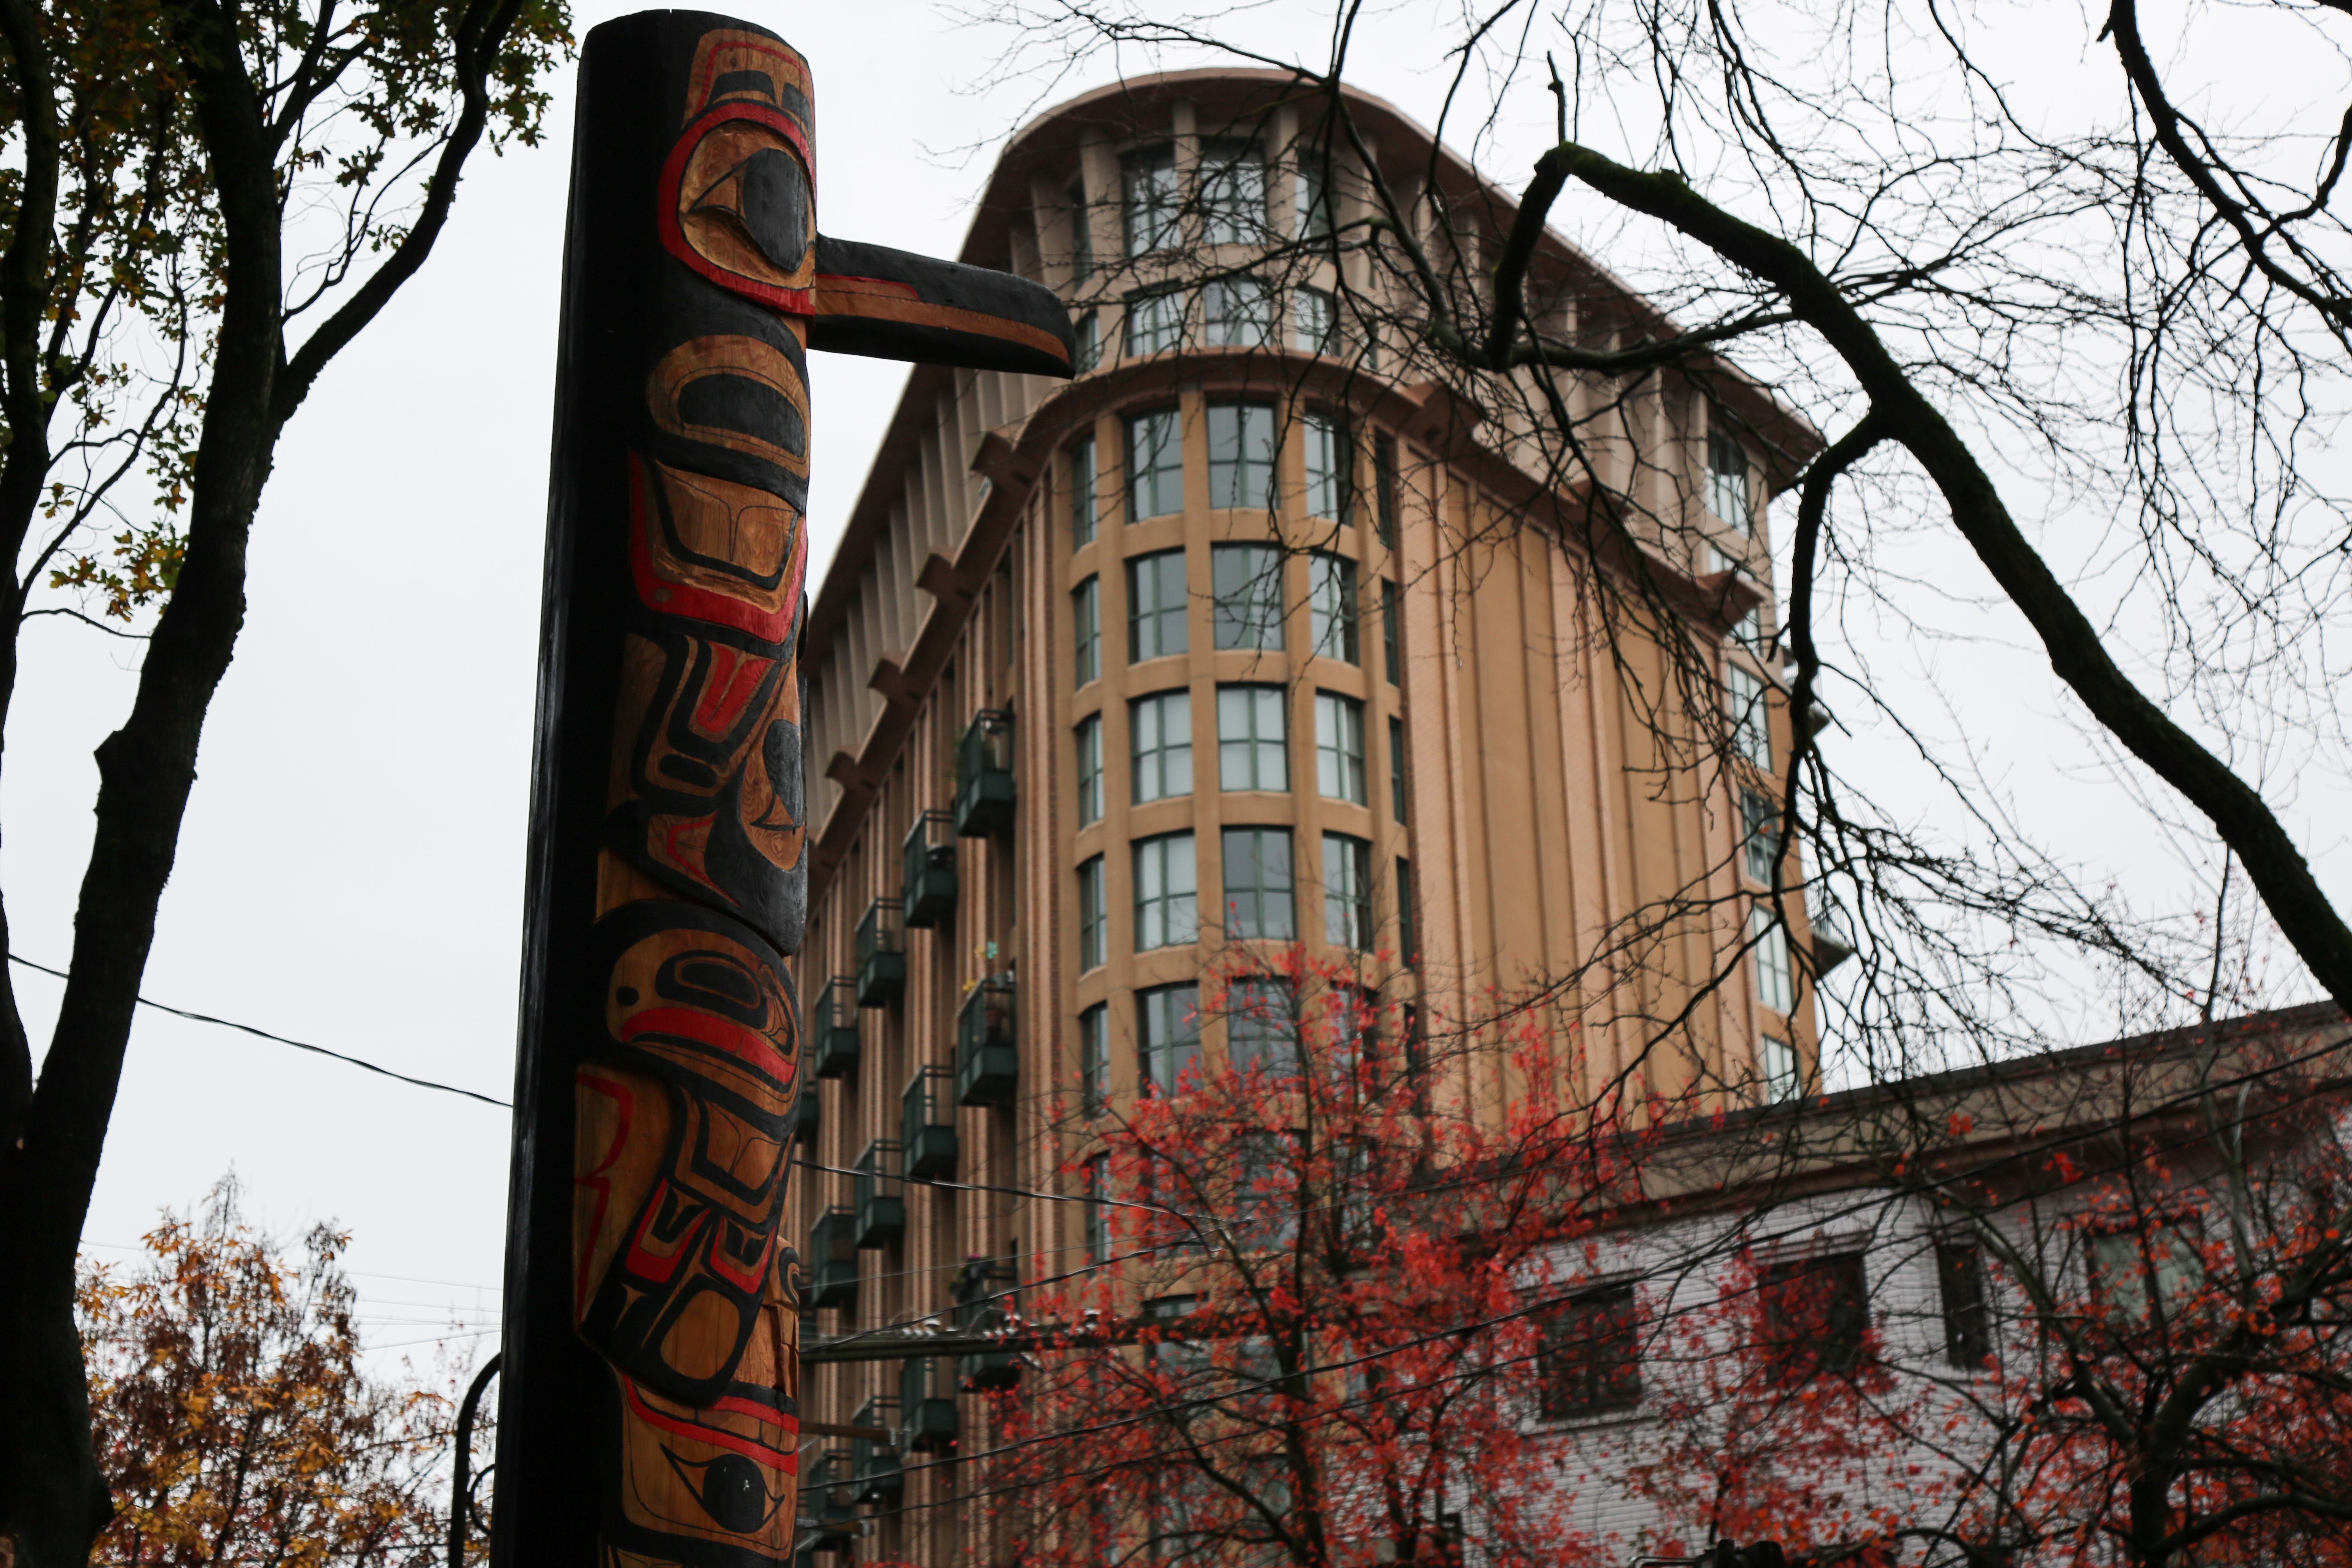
1155	466
1094	1059
1155	321
1967	1326
1094	918
1328	461
1259	901
1408	935
1233	192
1331	606
1162	726
1241	455
1590	1361
1236	314
1082	235
1085	618
1315	320
1760	826
1339	748
1083	474
1313	200
1155	606
1098	1211
1147	188
1167	911
1816	1315
1778	1065
1253	738
1247	582
1727	480
1090	770
1751	727
1776	983
1262	1026
1168	1033
1090	343
1385	488
1396	768
1346	891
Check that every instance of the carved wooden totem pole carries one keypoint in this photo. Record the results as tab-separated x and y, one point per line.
647	1408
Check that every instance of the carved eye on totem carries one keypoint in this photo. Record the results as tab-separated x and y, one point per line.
731	1488
744	205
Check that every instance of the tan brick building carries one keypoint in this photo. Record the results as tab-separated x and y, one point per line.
1245	635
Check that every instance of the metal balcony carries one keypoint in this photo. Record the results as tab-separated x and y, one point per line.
832	1260
984	797
988	1061
825	1500
982	1307
837	1029
881	954
926	1132
929	891
874	1475
927	1410
878	1194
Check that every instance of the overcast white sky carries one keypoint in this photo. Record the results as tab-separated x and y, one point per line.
351	870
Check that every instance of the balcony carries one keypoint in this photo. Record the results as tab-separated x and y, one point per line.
928	892
881	954
837	1029
808	1115
824	1501
927	1411
984	796
982	1307
926	1132
988	1062
832	1260
874	1475
878	1196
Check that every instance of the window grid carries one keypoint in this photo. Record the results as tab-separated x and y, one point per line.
1168	1036
1149	206
1085	619
1261	1027
1232	193
1155	321
1094	915
1315	321
1167	903
1396	769
1590	1361
1253	738
1347	892
1236	314
1407	933
1777	1062
1328	478
1751	724
1161	728
1094	1059
1083	476
1246	580
1090	770
1331	607
1260	898
1155	606
1241	455
1155	465
1090	343
1761	830
1312	200
1727	480
1776	980
1384	488
1393	633
1098	1211
1339	748
1082	235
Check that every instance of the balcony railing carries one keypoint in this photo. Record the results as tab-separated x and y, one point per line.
983	1306
926	1132
836	1029
878	1194
825	1500
833	1260
929	891
874	1475
983	797
927	1410
808	1115
988	1061
881	954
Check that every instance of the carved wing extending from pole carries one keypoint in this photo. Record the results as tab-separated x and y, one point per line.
892	304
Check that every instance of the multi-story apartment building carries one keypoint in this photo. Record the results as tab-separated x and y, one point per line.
1248	634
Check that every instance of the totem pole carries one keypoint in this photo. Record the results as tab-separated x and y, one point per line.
647	1406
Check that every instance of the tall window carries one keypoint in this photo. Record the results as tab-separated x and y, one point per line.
1155	465
1396	769
1313	202
1098	1211
1776	980
1162	725
1968	1318
1088	333
1233	192
1155	321
1247	582
1384	488
1347	892
1331	606
1083	475
1094	915
1236	314
1086	621
1315	321
1090	770
1816	1314
1590	1362
1253	738
1166	906
1259	900
1760	821
2123	1263
1241	455
1169	1034
1148	199
1727	479
1262	1026
1155	606
1752	725
1778	1064
1082	235
1094	1059
1392	632
1407	933
1339	748
1328	461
